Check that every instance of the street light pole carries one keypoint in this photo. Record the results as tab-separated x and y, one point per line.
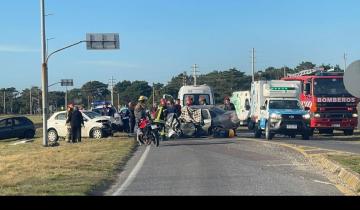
44	74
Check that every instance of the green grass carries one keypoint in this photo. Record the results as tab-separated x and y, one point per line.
68	169
352	162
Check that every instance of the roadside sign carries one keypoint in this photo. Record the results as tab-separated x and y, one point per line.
67	82
102	41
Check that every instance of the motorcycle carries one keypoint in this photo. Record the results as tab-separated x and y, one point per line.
148	132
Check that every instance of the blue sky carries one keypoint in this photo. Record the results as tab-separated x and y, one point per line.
162	38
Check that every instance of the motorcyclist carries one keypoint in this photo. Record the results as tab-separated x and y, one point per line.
140	113
160	117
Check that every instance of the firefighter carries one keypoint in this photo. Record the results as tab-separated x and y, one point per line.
160	118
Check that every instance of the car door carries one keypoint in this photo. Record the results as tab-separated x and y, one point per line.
6	130
18	127
60	124
206	119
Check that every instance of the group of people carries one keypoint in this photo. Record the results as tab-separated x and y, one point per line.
136	112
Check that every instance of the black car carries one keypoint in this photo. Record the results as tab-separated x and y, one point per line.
16	127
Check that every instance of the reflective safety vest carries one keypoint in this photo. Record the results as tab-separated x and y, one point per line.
160	116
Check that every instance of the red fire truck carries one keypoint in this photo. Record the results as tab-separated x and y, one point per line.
331	106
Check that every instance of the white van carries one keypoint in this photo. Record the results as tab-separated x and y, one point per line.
196	92
241	101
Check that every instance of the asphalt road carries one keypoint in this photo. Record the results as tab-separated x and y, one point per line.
220	167
337	142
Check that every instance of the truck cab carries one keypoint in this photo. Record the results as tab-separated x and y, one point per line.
280	110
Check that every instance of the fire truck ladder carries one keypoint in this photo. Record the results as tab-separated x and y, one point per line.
306	72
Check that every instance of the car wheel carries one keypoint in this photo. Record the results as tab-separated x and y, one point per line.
97	133
257	131
29	134
52	136
268	134
349	132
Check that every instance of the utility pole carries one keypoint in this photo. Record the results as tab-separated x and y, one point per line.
284	71
195	67
112	82
153	93
30	100
118	101
185	79
66	97
44	74
253	64
4	101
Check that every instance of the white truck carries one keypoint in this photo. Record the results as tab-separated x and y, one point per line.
196	92
241	101
276	109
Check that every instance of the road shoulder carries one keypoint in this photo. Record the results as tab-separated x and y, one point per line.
346	180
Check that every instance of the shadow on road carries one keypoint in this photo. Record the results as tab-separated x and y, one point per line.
195	142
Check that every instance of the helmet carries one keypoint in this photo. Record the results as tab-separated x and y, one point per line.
142	98
163	102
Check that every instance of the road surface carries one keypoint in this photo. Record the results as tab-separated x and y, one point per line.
337	142
220	167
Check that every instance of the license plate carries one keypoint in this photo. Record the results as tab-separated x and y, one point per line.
154	127
291	126
336	125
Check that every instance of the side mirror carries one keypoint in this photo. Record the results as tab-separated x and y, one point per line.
262	108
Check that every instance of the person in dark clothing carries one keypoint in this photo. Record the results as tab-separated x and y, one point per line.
228	106
178	107
76	121
132	116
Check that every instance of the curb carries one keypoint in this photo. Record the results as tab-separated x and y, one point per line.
350	178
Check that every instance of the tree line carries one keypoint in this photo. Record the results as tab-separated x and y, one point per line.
223	83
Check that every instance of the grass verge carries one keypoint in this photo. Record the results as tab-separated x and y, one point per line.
352	162
68	169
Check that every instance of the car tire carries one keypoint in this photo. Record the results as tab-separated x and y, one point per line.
257	131
29	134
306	135
97	133
349	132
268	134
53	136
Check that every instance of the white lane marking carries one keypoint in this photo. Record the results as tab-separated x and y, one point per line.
321	182
133	173
276	165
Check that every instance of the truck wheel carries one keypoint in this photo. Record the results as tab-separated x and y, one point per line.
349	132
257	132
306	135
311	132
268	134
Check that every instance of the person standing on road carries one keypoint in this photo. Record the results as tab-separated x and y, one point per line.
228	106
140	113
77	121
160	118
178	107
132	117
